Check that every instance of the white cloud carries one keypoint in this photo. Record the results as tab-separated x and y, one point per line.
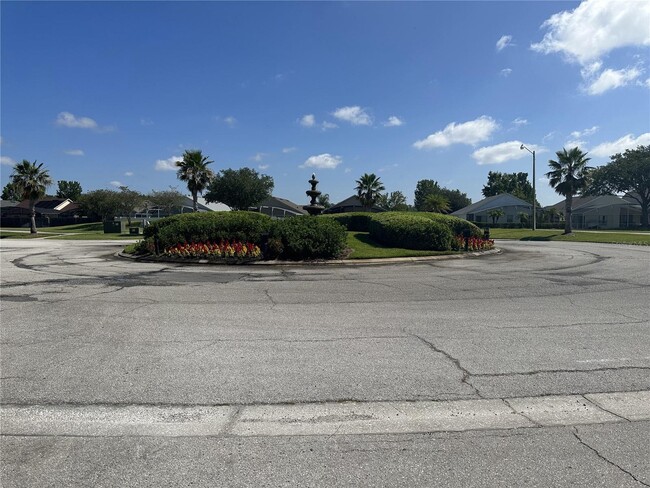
506	151
548	136
323	161
610	79
393	121
168	164
307	120
347	170
505	72
328	125
258	157
503	42
66	119
519	122
576	143
75	152
628	141
128	173
471	133
263	166
230	121
287	150
595	28
354	115
146	122
586	132
7	161
116	184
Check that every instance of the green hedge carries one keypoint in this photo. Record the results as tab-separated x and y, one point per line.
352	221
411	231
209	227
305	237
456	224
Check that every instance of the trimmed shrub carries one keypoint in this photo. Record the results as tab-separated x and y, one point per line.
456	224
411	231
208	227
352	221
307	237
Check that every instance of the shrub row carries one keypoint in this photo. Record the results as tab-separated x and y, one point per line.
353	221
410	231
295	238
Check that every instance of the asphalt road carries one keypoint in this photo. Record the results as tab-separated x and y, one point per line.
120	373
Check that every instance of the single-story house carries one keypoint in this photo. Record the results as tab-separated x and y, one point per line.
50	211
511	206
602	212
279	208
351	204
187	206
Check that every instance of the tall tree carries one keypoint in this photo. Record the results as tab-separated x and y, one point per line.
394	201
240	189
516	184
569	176
194	171
166	200
369	188
69	189
31	181
101	204
10	192
628	172
129	201
423	189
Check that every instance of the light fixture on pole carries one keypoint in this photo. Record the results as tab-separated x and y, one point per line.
534	194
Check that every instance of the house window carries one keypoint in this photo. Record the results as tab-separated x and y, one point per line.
479	218
470	217
602	220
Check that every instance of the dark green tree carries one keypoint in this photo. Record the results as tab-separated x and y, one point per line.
516	184
101	204
240	189
456	198
10	192
569	176
31	181
194	171
128	202
369	188
69	189
166	200
626	173
423	189
495	214
394	201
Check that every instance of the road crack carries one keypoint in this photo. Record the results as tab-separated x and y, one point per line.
595	451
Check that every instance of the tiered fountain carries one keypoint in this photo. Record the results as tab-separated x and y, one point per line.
313	208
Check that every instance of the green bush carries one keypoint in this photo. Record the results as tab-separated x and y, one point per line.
208	227
352	221
456	224
411	231
308	237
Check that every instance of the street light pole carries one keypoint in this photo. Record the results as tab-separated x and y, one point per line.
534	192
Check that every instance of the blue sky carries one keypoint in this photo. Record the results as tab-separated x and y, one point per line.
108	93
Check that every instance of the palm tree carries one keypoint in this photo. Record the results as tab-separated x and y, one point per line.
569	175
437	203
369	189
496	214
193	169
31	181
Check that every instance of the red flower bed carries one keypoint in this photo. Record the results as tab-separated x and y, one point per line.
212	250
474	243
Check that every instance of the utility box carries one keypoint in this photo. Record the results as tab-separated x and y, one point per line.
135	231
112	227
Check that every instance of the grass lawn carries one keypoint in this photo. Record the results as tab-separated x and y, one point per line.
609	237
365	248
79	232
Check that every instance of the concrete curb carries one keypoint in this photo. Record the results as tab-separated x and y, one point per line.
333	262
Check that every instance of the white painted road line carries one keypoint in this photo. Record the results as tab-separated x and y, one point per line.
324	418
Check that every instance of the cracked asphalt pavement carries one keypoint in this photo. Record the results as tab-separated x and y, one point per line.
83	329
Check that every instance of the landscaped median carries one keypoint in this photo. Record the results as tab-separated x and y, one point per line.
634	237
244	237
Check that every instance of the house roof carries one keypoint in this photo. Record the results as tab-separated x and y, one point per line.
351	201
214	206
594	202
282	203
489	203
